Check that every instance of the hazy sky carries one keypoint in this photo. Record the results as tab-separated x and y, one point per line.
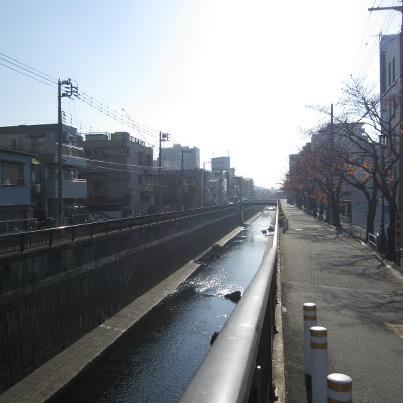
226	76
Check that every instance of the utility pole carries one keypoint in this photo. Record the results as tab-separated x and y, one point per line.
182	176
382	146
331	201
65	88
163	137
203	188
398	242
182	186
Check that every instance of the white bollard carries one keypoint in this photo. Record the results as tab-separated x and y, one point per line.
339	388
319	363
309	321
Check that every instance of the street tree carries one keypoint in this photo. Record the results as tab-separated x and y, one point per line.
370	150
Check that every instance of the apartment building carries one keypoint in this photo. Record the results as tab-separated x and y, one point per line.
180	157
120	174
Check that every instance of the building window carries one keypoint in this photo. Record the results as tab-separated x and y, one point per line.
12	174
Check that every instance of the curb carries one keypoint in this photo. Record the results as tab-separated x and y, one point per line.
278	341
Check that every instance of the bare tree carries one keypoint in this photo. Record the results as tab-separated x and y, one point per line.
370	151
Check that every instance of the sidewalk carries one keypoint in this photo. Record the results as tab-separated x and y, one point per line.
359	300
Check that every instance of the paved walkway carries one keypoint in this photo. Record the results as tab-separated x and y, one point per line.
360	301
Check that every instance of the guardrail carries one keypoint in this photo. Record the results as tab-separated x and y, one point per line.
259	202
238	367
18	224
27	224
22	241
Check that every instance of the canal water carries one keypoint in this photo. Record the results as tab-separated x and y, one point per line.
156	360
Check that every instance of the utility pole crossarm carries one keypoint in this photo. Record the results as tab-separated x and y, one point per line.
396	8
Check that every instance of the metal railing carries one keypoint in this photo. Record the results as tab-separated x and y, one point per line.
25	224
238	367
258	202
18	225
22	241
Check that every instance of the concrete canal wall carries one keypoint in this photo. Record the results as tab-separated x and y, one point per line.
52	297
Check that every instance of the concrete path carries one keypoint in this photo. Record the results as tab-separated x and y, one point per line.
360	301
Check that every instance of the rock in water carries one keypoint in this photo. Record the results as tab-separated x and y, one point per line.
234	296
213	337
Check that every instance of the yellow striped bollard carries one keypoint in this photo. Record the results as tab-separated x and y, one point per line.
319	363
339	388
310	319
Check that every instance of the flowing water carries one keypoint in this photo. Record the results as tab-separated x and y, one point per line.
157	359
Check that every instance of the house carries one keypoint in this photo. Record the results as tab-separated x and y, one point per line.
41	142
16	191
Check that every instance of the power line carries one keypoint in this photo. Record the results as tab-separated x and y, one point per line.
115	115
80	148
362	38
375	48
29	67
105	109
27	75
28	70
372	51
80	124
85	125
31	72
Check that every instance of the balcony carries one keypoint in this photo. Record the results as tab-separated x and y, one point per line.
72	189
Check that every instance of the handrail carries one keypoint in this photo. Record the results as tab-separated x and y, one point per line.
228	372
21	241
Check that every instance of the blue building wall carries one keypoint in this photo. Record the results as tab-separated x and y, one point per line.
11	194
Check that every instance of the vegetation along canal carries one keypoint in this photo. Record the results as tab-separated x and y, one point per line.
158	357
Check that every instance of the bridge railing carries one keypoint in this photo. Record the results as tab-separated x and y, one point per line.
254	202
238	367
22	241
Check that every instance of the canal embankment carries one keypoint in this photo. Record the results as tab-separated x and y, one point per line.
54	294
157	358
59	371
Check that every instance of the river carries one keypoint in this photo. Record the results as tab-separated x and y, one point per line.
156	359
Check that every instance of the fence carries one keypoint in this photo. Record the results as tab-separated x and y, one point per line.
7	226
22	241
18	225
238	367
